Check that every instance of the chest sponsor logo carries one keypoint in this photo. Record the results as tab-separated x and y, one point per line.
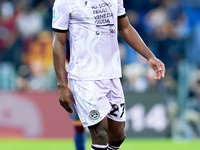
110	31
103	14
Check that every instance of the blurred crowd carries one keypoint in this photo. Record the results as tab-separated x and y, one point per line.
25	43
170	28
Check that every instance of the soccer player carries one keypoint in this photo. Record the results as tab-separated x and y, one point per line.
94	68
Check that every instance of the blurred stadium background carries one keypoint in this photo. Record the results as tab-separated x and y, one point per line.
168	109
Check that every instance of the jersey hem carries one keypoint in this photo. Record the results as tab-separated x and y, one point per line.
121	16
59	30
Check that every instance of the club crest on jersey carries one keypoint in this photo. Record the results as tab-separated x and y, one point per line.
94	114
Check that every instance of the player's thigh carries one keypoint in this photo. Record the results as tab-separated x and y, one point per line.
116	132
99	132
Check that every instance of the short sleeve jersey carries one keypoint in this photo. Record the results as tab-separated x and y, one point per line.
92	26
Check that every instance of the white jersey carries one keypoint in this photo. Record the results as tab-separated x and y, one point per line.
92	25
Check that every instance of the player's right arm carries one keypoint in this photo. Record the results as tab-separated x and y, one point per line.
60	22
59	53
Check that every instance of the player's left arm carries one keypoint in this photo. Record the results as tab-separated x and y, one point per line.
130	35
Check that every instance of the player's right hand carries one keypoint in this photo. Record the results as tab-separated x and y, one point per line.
65	96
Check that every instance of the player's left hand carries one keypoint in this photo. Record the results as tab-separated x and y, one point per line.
158	66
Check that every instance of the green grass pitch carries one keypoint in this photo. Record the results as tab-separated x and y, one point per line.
129	144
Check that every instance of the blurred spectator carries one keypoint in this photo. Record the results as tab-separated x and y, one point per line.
7	76
44	7
40	49
24	44
29	22
192	50
10	44
192	113
135	75
38	57
37	80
